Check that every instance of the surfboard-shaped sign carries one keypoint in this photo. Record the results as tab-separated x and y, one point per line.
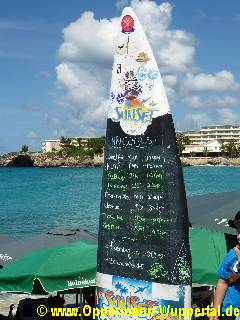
143	250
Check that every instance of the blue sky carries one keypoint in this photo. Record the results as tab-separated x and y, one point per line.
55	72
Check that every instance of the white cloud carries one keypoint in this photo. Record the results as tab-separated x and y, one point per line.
150	12
224	101
198	119
87	95
213	101
173	48
220	81
195	120
92	41
85	87
193	101
227	116
170	80
86	56
89	40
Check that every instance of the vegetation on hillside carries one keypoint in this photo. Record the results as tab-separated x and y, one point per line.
231	149
81	147
182	141
24	148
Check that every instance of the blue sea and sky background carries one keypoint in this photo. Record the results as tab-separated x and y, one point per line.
56	58
34	200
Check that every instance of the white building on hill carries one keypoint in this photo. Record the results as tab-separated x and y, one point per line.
221	133
51	145
213	147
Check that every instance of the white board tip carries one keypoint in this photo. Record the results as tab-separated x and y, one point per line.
128	10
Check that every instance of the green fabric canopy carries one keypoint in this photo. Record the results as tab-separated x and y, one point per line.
55	269
208	251
74	265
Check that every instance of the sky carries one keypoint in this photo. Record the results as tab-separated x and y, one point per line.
56	58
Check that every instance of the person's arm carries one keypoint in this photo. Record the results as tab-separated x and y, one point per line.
221	289
220	292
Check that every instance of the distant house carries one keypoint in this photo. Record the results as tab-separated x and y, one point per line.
213	148
51	145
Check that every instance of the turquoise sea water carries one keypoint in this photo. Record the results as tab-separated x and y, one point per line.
34	200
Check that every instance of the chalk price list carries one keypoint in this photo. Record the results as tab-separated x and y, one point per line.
135	213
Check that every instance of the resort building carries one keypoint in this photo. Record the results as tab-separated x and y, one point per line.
221	133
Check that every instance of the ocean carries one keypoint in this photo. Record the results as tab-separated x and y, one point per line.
36	200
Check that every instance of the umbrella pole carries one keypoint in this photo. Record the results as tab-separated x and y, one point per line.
212	290
77	300
81	303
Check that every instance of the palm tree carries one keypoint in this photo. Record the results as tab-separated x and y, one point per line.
231	148
24	148
182	141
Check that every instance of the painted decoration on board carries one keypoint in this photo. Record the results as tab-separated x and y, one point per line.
136	83
131	293
127	24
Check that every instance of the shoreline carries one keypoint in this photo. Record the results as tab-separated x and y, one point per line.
53	160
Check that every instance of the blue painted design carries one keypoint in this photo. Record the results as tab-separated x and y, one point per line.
120	98
112	96
153	74
133	293
142	73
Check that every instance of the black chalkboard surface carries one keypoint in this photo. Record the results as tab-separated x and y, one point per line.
144	224
143	252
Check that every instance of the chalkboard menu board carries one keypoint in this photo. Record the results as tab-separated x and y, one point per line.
143	229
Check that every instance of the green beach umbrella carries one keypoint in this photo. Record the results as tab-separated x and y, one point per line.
208	250
52	269
74	265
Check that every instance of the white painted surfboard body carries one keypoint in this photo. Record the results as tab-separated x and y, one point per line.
135	68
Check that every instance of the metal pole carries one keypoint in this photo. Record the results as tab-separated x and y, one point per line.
77	300
81	303
212	295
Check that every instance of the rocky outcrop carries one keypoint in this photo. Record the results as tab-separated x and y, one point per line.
207	161
21	160
47	160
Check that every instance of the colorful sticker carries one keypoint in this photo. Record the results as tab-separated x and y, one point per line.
142	57
127	24
119	292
